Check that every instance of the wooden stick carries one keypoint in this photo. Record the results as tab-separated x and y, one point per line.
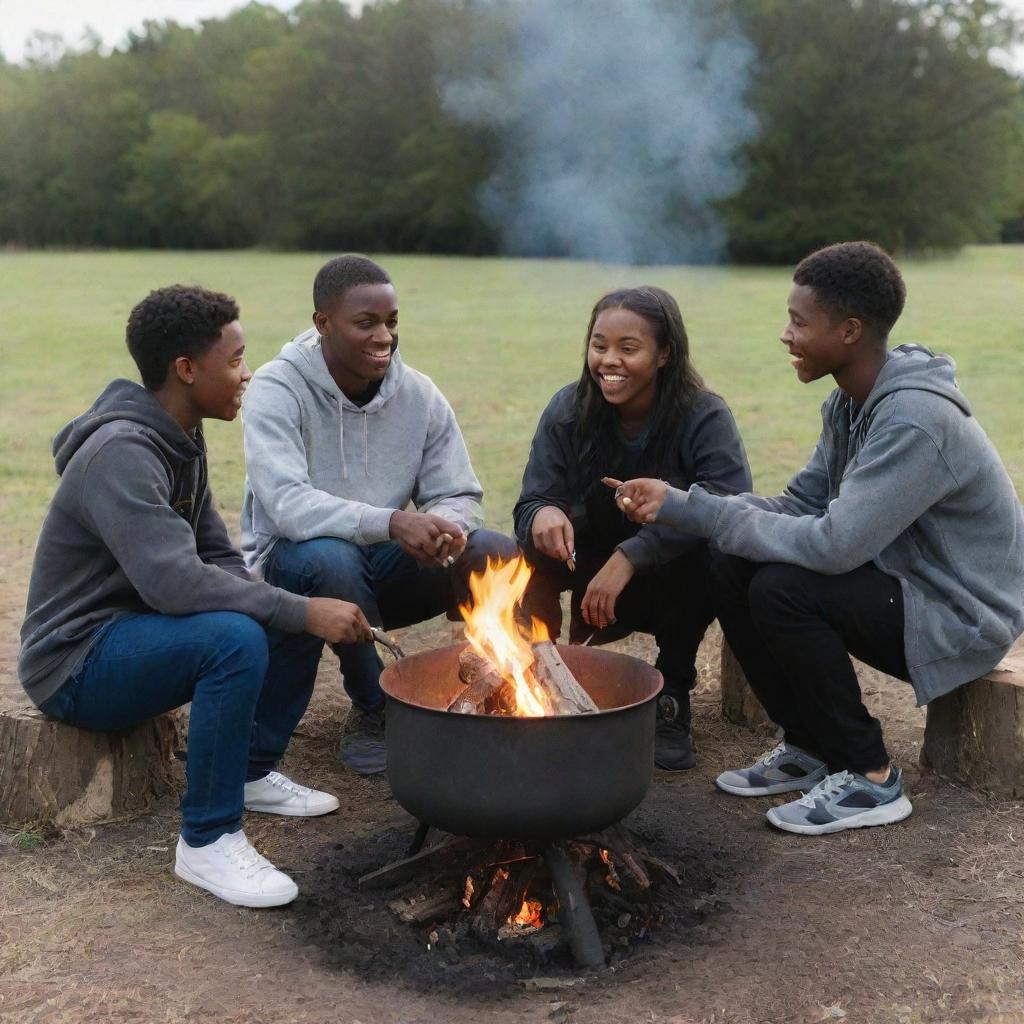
398	869
553	674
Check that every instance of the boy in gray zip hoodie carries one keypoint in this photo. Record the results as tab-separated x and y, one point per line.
901	542
139	603
340	438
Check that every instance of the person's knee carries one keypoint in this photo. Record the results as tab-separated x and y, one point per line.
775	587
484	544
236	643
321	567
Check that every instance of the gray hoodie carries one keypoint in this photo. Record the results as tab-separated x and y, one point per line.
319	465
131	528
912	484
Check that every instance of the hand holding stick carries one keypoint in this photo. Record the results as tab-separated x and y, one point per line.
640	499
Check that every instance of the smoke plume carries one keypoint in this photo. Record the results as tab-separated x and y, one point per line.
617	122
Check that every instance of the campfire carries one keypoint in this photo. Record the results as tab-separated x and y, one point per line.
511	667
527	754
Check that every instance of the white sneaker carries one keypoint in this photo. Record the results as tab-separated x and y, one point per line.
277	794
231	869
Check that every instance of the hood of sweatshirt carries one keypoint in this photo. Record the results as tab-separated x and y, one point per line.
916	368
126	400
305	353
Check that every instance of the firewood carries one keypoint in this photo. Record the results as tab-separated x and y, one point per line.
472	666
400	869
424	907
483	682
496	906
568	697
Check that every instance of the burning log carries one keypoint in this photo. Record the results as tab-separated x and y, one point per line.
495	908
483	685
567	696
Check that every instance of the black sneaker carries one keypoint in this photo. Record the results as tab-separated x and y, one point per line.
673	748
362	745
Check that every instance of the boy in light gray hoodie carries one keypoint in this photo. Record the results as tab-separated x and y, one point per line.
340	439
901	542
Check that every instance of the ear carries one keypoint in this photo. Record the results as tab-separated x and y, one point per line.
319	321
185	370
851	330
663	354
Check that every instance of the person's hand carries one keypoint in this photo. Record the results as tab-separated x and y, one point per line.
450	548
640	499
337	622
552	534
430	539
598	604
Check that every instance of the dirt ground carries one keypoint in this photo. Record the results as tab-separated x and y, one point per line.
917	922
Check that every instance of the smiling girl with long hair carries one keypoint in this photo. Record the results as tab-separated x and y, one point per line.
639	409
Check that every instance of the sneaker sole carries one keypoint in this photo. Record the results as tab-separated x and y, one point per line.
887	814
807	782
234	897
291	812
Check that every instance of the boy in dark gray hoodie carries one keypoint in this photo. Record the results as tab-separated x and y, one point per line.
359	485
901	542
139	603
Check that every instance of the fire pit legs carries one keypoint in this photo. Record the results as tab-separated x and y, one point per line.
418	840
574	912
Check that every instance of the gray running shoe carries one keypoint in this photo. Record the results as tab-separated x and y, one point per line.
362	745
841	801
784	769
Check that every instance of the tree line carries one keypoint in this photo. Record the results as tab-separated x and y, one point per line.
323	129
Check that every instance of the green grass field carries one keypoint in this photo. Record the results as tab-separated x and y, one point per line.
497	336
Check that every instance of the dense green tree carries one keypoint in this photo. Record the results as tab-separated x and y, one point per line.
879	119
317	128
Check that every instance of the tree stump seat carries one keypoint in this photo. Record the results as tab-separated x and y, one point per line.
739	705
975	735
57	773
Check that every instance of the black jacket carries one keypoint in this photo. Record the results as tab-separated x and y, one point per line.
707	449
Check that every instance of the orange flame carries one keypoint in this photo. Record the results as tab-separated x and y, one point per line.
529	916
495	634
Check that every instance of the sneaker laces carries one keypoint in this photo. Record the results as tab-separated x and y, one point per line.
279	781
243	856
830	786
773	755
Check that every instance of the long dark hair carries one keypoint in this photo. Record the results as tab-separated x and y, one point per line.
677	383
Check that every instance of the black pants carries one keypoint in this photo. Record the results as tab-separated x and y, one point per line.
793	631
671	601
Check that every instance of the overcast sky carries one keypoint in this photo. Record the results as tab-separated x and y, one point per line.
111	19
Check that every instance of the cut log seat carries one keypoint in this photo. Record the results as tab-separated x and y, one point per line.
975	735
739	705
54	772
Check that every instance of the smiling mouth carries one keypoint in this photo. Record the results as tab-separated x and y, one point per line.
612	378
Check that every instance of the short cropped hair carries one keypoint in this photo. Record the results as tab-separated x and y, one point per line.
855	279
336	276
180	320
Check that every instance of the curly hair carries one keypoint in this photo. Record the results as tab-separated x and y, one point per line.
180	320
678	382
337	275
855	279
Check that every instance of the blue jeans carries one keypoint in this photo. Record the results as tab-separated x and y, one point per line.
248	693
391	588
